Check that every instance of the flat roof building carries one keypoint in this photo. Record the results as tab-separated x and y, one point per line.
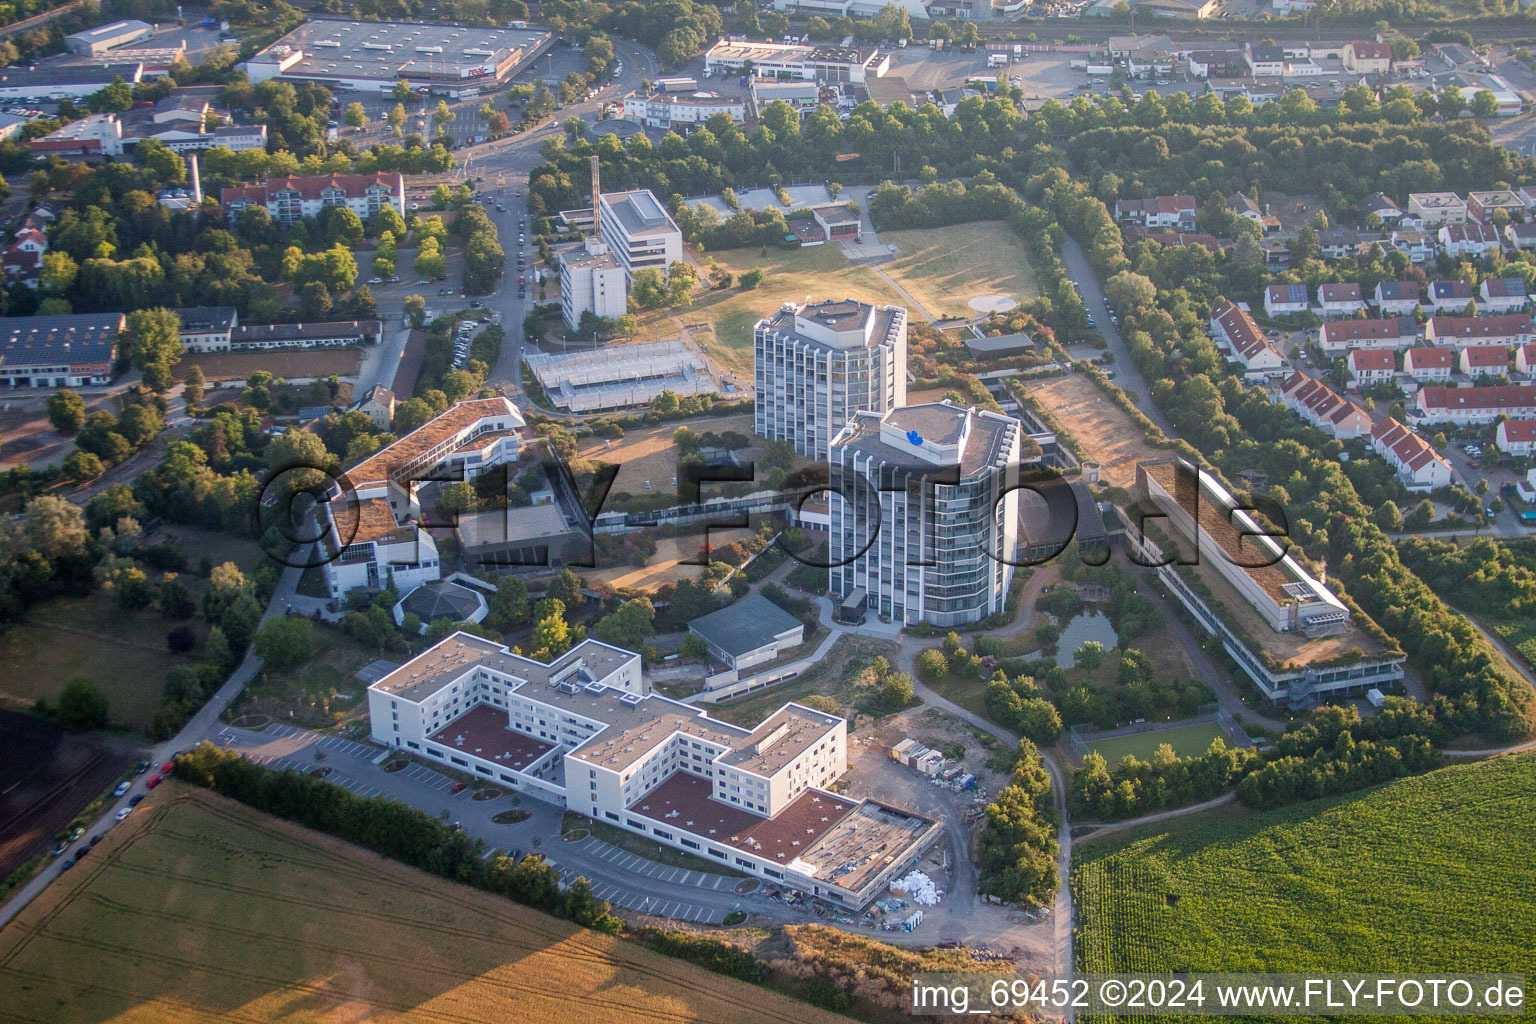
59	81
925	512
818	364
371	56
619	376
585	732
640	232
98	40
749	632
796	60
58	351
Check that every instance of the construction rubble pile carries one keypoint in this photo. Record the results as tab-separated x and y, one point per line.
918	888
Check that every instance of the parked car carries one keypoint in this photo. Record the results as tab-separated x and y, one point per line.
154	780
122	787
459	787
124	813
165	769
142	768
135	800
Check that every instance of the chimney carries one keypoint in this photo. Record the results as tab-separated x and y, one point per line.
197	181
597	202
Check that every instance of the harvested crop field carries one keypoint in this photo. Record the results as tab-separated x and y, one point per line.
1107	434
200	909
296	364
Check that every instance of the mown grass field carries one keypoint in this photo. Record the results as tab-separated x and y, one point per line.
198	909
1431	873
1186	740
821	272
944	268
124	653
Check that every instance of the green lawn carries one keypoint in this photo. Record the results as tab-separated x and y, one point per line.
1186	740
124	653
944	268
321	692
821	272
1425	874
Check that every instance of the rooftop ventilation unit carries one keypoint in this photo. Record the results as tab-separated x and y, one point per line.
631	699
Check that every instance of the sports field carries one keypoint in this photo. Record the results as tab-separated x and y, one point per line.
198	909
790	275
944	268
1186	740
1425	874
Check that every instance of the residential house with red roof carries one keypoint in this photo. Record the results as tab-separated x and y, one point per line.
1171	212
1367	57
1280	299
1502	295
1525	360
1466	406
1324	408
1429	365
1484	361
1470	331
1516	437
1336	337
1396	298
1371	366
1234	330
1420	467
1477	241
1341	299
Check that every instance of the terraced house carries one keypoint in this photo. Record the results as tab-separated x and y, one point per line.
292	198
585	732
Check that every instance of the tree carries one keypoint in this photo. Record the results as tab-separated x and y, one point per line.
442	115
58	271
299	458
54	528
396	117
566	588
192	390
356	115
1451	103
82	705
415	308
286	643
551	635
1484	103
66	411
430	261
750	279
648	288
932	665
693	646
509	608
681	278
1129	290
154	342
629	625
82	466
897	690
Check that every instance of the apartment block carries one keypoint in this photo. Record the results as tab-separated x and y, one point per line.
292	198
1437	209
639	232
817	365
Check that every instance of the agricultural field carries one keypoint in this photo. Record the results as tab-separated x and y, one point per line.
1424	874
122	652
945	268
199	909
1186	741
822	272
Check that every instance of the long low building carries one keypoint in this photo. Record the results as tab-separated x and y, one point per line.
796	60
749	632
294	197
681	112
58	351
616	377
585	732
1463	406
334	334
61	81
1293	637
373	56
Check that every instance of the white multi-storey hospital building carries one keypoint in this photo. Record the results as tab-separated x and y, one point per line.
584	732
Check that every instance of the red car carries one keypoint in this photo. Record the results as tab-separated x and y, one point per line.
459	787
165	769
154	780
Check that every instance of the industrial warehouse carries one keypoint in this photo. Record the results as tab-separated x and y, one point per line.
371	56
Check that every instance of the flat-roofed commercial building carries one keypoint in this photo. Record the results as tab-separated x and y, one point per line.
796	60
96	41
749	632
371	56
592	280
61	81
1293	637
585	732
817	365
640	232
681	112
58	351
924	512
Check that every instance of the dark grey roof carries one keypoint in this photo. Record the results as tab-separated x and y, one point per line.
441	598
67	74
206	318
743	627
81	339
1001	344
247	333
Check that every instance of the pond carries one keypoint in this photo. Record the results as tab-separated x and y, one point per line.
1082	629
